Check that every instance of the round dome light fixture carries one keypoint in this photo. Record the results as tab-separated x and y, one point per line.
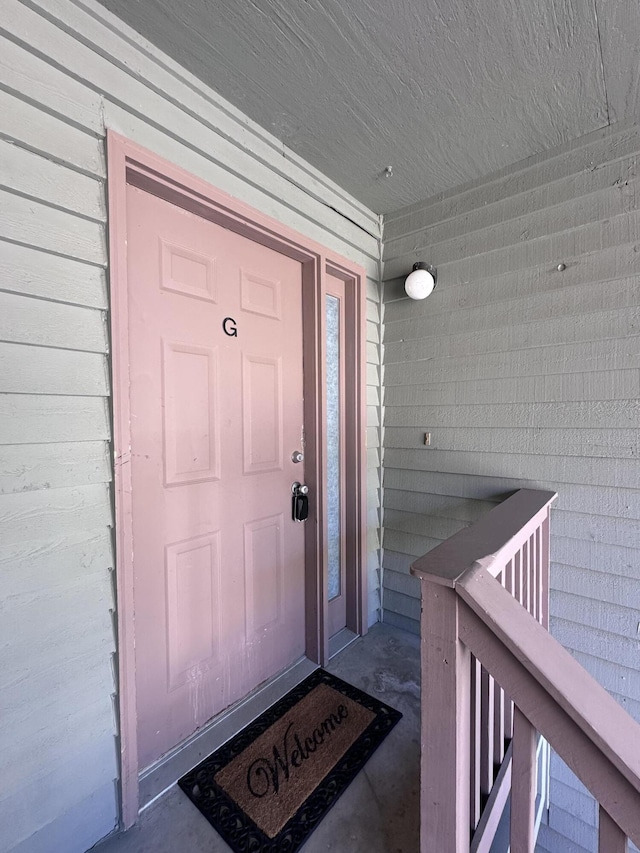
420	283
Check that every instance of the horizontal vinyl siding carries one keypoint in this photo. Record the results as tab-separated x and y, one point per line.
68	72
526	376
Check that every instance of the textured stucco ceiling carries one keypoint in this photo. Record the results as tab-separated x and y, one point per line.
444	91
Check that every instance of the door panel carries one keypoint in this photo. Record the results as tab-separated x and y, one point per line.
215	338
191	444
193	605
262	411
264	572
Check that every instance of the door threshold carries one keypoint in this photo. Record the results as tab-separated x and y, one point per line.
340	641
156	779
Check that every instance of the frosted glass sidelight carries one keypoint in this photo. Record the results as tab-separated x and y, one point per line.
333	446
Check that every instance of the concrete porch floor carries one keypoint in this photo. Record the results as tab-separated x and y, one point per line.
378	813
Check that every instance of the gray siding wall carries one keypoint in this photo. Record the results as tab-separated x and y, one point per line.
526	376
68	71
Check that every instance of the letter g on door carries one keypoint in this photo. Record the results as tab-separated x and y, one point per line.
229	327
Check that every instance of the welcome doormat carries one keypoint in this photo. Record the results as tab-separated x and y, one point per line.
268	788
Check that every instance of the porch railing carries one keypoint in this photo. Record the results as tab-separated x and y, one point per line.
493	677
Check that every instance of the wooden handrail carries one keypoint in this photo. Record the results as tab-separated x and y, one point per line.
500	531
577	693
588	729
469	618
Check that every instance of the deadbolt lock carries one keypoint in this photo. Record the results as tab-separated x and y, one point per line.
299	502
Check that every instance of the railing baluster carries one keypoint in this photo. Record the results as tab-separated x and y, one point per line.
544	577
486	733
508	577
525	575
498	725
508	704
523	785
533	563
611	839
538	568
499	702
476	723
517	576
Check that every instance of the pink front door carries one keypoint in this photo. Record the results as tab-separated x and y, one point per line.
216	395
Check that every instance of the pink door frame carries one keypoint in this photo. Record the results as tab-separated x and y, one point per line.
129	163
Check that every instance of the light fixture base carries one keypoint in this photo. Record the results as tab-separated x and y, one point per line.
421	265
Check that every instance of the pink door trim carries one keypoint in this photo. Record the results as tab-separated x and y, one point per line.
129	163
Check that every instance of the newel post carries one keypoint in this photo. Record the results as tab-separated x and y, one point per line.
446	725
